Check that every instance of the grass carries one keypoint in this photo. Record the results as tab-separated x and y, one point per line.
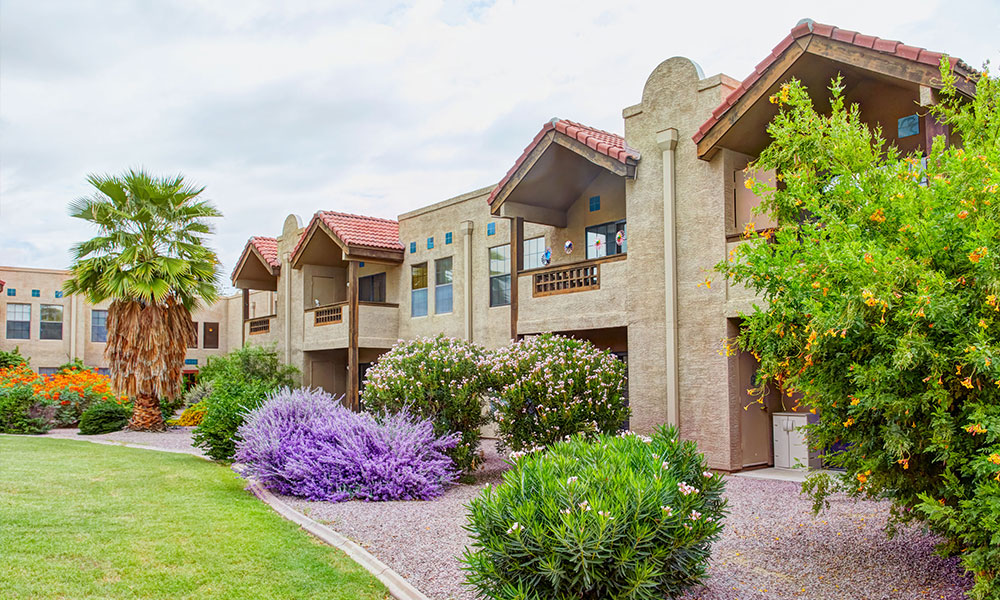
81	520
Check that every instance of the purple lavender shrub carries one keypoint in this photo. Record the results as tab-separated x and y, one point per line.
304	443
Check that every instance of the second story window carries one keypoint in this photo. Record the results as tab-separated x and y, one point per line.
500	275
443	298
534	249
602	240
371	288
418	290
99	326
51	325
18	321
211	335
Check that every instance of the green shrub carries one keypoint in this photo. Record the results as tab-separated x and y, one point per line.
191	416
619	517
18	411
548	387
438	379
12	358
74	366
879	306
104	417
198	392
240	381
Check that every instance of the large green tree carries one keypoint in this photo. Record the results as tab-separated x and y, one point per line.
150	260
880	289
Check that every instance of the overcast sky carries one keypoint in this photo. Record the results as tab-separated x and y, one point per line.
359	106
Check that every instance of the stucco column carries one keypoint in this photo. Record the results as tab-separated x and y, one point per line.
73	325
516	264
466	228
353	371
286	272
666	140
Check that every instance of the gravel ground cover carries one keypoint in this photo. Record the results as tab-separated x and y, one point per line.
772	547
174	438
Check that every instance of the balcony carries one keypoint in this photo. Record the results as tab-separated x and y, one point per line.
261	331
590	294
328	327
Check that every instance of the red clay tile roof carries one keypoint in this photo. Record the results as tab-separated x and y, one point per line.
807	27
357	230
266	246
604	142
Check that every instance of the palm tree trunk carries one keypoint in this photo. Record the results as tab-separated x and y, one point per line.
146	415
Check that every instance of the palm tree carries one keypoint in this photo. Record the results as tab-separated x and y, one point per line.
149	258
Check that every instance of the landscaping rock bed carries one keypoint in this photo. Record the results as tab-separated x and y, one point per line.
771	546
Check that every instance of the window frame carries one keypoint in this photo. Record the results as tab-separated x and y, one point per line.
10	321
375	284
415	292
46	333
206	327
619	225
528	254
103	326
439	287
501	278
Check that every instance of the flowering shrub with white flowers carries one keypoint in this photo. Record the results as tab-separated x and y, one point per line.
549	387
435	378
618	517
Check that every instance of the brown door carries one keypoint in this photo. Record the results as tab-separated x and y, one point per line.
755	419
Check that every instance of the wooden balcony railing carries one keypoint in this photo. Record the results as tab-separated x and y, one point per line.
260	325
575	278
328	315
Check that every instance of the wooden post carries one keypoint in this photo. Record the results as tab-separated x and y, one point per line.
516	265
353	383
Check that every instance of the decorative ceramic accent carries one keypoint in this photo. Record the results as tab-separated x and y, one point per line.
547	257
568	247
620	237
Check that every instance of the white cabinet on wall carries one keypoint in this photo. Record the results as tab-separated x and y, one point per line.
790	447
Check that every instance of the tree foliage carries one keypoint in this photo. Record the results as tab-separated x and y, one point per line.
880	288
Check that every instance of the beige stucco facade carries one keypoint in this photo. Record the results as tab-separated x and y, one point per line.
78	337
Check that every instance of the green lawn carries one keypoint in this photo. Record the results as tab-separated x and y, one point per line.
80	520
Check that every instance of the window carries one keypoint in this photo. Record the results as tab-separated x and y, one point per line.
443	298
11	292
534	249
491	228
59	294
50	327
418	290
595	203
194	344
36	293
413	247
48	370
602	240
104	371
18	321
211	335
430	243
371	288
500	275
447	238
98	325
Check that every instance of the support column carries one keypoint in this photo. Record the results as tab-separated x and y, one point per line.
286	272
516	265
353	383
466	228
246	316
667	141
932	127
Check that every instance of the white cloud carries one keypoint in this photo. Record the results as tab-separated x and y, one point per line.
364	107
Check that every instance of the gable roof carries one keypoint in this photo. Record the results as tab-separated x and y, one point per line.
354	231
807	27
606	143
266	249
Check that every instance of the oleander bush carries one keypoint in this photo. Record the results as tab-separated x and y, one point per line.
617	517
546	388
104	417
880	307
438	379
241	381
305	443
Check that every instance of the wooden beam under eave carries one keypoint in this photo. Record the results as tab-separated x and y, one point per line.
598	158
378	255
516	266
775	73
534	214
353	374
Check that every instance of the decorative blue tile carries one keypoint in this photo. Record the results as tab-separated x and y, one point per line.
59	293
491	228
430	243
909	126
36	293
190	361
413	247
595	203
447	238
11	292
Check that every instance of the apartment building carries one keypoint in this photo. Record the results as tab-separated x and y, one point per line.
605	237
51	329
